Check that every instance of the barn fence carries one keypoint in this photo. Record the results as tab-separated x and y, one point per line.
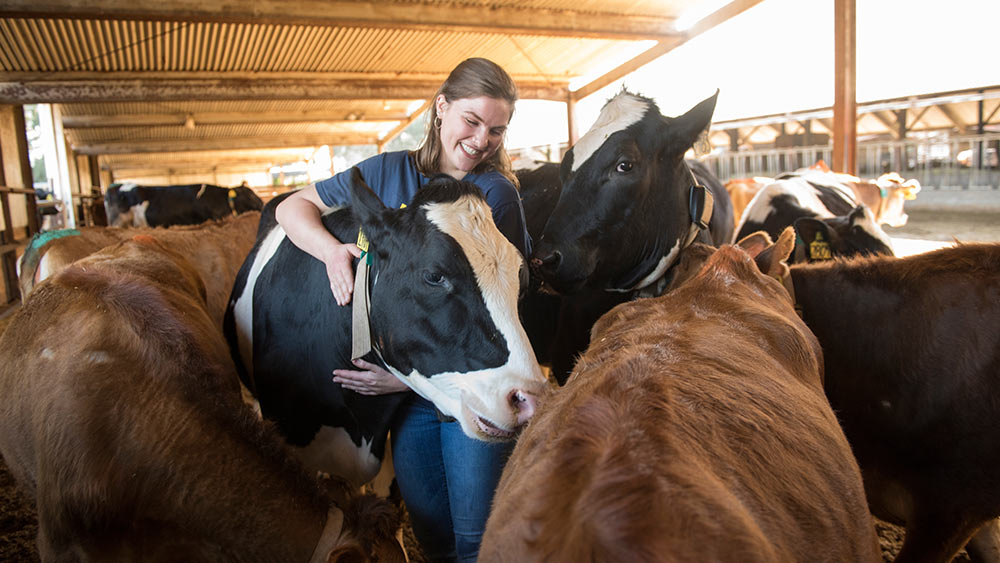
960	163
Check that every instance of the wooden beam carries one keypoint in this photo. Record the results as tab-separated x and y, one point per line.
450	17
226	118
953	117
190	170
890	124
403	125
918	117
664	46
845	105
222	143
204	89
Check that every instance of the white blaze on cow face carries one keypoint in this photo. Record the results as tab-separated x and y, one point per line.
623	110
484	395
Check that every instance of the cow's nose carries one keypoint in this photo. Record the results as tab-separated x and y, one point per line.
546	260
523	404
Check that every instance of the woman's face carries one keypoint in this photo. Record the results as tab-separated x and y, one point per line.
472	129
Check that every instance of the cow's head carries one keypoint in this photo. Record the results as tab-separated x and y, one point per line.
854	234
623	214
243	199
444	291
895	192
124	206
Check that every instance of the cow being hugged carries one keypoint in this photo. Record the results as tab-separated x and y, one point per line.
442	289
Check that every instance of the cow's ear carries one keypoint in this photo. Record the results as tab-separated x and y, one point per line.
367	208
773	261
755	243
819	239
684	130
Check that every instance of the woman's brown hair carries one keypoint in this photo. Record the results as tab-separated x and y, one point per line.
472	78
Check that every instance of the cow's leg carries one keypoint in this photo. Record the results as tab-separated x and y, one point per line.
932	538
985	544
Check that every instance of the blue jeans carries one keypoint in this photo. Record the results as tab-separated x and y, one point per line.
446	479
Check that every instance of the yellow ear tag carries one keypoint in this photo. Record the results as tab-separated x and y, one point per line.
819	249
232	193
362	241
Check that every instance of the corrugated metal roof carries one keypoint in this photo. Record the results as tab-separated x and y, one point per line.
207	65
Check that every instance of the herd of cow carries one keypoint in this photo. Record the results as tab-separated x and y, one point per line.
741	372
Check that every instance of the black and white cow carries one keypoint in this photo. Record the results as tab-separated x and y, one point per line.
443	287
131	205
621	214
629	201
824	212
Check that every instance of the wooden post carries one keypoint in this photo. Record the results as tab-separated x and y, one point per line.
573	133
16	163
95	174
845	110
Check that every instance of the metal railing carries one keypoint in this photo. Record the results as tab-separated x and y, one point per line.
956	163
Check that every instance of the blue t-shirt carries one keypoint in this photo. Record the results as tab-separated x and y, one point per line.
393	176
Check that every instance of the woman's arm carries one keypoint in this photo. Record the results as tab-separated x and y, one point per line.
299	215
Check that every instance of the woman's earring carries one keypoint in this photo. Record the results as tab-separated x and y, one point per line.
437	121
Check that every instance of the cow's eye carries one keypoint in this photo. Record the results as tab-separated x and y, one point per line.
624	167
436	279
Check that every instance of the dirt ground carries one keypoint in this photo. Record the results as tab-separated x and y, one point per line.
927	228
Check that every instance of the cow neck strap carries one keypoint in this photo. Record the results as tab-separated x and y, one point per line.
700	205
361	339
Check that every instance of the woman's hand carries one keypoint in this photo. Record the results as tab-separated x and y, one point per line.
339	261
369	379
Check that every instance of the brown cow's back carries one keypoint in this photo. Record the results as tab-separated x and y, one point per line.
120	412
693	429
216	249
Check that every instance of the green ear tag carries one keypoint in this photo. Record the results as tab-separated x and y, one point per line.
819	249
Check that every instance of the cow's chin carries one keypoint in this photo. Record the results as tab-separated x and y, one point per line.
481	427
469	410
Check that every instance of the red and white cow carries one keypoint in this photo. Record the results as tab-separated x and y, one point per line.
121	414
912	348
694	428
217	248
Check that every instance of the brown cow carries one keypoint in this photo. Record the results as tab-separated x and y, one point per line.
217	248
120	412
912	349
694	428
741	191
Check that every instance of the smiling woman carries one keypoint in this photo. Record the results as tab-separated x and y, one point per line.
435	461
